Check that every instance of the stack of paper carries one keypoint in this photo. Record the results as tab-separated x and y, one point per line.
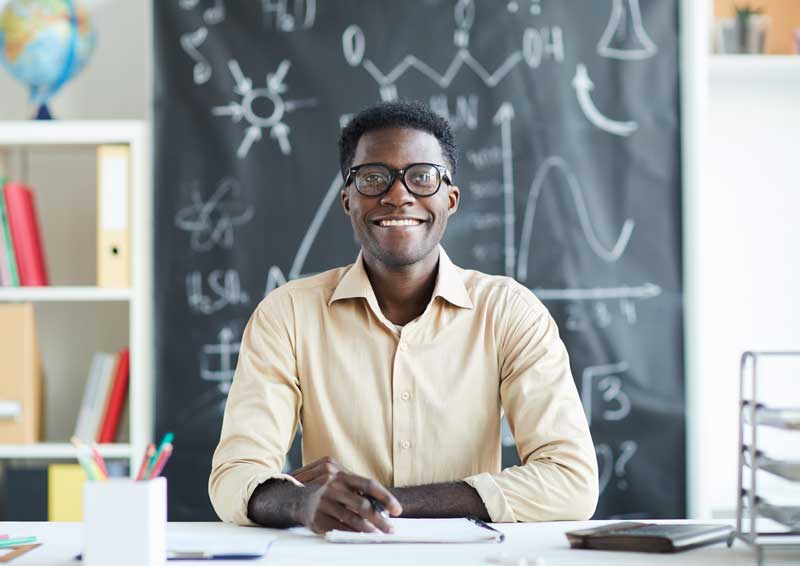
424	530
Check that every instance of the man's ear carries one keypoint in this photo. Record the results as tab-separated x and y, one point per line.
453	196
345	201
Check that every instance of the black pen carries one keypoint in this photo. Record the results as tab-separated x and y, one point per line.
377	505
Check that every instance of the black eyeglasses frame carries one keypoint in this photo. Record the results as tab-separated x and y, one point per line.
444	175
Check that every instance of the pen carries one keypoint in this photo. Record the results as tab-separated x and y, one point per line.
377	505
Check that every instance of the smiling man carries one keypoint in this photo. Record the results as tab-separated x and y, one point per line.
399	368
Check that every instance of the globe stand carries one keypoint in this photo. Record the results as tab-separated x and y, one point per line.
43	113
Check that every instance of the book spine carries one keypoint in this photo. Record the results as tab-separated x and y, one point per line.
82	427
101	398
25	234
116	399
8	246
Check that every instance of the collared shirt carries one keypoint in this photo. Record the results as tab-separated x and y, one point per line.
417	406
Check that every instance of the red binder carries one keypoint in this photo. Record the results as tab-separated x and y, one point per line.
25	235
116	399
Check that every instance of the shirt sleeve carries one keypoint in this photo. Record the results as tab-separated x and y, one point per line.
557	479
261	413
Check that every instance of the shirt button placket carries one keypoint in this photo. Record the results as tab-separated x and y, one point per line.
403	432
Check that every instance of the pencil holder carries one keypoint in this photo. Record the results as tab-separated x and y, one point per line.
125	522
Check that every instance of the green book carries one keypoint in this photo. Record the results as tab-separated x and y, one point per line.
5	239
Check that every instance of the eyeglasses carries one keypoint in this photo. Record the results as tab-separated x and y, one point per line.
421	179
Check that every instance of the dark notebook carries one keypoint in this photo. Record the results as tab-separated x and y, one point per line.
649	537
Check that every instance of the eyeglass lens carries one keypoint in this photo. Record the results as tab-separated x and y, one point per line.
421	178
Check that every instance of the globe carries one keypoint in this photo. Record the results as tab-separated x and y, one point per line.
43	44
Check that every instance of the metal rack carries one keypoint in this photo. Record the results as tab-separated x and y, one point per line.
753	415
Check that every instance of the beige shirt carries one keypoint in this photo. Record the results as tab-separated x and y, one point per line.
411	407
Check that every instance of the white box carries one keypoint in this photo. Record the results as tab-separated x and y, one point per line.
125	522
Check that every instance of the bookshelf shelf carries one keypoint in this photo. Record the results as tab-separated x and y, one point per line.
781	69
68	132
62	294
55	450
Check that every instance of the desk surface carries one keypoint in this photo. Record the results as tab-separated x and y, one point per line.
62	541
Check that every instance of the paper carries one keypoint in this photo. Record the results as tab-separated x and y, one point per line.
423	530
188	546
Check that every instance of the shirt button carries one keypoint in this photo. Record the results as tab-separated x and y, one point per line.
406	445
405	396
403	346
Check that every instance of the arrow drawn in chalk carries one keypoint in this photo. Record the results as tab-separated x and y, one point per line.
583	88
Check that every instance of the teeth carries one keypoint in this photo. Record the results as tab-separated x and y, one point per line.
408	222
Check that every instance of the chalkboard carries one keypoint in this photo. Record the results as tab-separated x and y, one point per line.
567	117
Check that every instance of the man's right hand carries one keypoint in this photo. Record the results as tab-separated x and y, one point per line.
340	504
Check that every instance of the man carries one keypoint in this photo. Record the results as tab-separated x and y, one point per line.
399	367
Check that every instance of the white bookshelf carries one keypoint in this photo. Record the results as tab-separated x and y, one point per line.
16	137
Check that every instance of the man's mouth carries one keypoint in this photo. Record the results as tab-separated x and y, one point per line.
399	222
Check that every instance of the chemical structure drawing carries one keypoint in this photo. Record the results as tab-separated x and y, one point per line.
211	222
583	87
625	37
537	45
269	96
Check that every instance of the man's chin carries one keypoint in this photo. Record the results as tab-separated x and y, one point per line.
397	259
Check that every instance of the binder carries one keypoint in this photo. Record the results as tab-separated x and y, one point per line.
113	240
20	375
119	390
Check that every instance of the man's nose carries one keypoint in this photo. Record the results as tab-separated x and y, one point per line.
398	194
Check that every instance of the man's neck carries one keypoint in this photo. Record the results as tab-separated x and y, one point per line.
403	293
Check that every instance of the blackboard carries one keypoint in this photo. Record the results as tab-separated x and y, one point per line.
567	117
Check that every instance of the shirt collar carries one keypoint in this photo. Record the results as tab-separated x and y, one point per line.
449	284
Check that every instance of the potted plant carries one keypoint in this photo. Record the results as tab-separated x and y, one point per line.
744	33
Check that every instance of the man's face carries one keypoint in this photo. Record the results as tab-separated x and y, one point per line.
393	245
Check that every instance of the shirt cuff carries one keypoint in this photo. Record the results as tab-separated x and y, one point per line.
493	498
251	485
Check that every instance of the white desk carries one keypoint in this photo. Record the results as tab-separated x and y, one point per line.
62	541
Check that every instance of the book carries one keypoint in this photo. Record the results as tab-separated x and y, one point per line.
116	399
649	537
113	243
25	235
7	258
20	375
25	490
95	395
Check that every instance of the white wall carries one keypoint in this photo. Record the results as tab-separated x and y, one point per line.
748	279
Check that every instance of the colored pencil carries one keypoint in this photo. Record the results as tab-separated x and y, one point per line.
99	460
151	449
162	461
164	441
16	541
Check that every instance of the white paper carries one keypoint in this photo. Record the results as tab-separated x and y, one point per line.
422	530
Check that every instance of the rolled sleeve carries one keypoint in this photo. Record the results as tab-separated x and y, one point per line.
558	478
261	413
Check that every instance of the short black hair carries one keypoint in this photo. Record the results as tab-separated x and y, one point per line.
399	114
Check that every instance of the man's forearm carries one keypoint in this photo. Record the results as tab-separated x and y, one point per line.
278	503
454	499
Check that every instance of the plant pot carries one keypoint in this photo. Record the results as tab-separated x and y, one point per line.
745	34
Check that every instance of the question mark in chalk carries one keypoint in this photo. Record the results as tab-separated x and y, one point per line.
628	450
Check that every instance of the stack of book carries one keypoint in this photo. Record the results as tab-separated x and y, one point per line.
103	397
21	253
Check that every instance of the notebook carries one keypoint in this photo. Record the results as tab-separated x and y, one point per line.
648	537
425	530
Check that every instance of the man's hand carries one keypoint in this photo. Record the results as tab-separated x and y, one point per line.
319	471
340	503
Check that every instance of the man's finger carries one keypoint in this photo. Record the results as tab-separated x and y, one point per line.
346	516
375	489
363	507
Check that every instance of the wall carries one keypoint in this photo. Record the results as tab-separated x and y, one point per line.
747	283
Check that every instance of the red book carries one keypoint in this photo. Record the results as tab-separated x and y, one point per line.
25	235
108	430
